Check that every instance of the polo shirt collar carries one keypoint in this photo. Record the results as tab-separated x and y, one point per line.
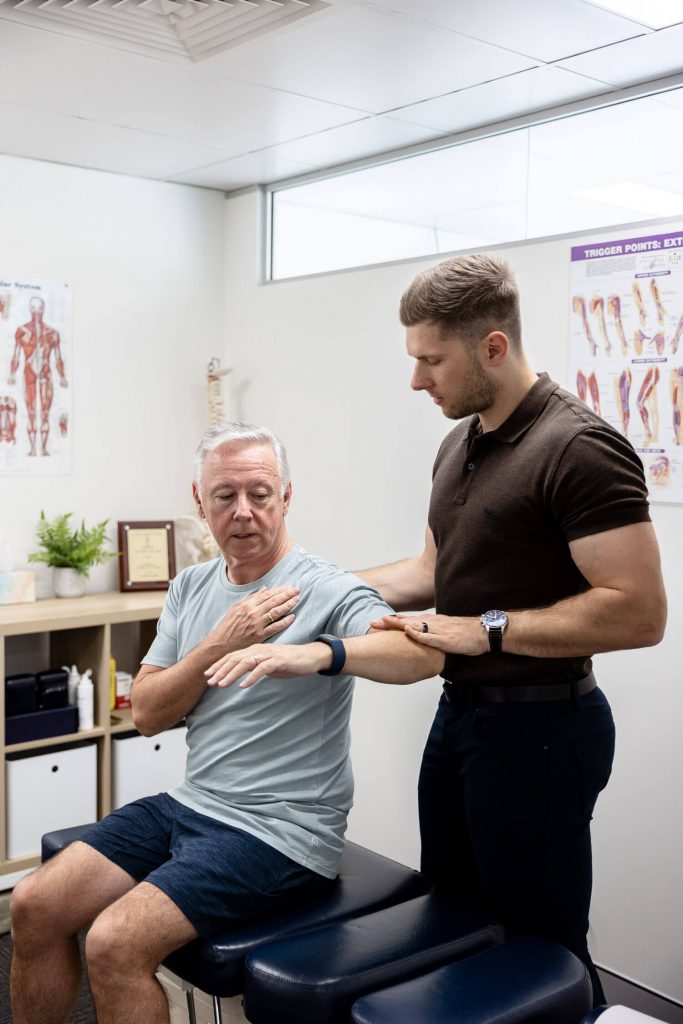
524	416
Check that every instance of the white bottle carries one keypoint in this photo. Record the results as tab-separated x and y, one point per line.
85	695
74	677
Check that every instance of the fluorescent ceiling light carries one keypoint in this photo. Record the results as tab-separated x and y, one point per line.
658	202
653	13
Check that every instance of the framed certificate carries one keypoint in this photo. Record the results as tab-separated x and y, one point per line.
147	555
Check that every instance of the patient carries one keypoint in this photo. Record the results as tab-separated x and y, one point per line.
258	822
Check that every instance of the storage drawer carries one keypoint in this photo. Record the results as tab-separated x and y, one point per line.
46	791
144	765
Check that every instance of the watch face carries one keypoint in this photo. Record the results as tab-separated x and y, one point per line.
494	619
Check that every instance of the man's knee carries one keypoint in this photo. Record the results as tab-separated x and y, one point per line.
113	948
34	908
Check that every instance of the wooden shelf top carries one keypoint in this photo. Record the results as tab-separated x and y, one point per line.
55	741
56	613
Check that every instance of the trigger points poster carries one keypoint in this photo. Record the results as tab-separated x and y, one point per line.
626	351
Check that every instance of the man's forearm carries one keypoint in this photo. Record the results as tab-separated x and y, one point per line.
391	658
594	622
160	699
405	585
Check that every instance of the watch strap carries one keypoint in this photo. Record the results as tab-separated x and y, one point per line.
495	639
338	654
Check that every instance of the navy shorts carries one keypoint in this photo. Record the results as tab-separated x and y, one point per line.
217	875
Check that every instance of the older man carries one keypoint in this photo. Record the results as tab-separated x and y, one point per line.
258	822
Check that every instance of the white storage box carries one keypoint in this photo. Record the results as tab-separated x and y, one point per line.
145	765
47	791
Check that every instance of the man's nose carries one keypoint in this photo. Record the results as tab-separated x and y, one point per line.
417	381
243	507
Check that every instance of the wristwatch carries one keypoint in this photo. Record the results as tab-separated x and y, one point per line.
494	622
338	654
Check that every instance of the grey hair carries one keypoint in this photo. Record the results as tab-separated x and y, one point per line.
241	433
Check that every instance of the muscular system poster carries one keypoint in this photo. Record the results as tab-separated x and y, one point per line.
35	378
625	351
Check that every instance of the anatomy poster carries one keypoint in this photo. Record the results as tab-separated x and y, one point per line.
626	357
35	378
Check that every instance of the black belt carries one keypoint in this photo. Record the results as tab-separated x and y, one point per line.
474	694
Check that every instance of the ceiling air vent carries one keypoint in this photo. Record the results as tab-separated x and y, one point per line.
184	30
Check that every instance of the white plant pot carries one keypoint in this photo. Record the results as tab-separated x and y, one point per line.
69	583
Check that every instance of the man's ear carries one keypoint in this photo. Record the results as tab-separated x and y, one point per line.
197	501
287	497
494	348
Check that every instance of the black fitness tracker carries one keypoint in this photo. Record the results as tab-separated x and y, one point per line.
338	654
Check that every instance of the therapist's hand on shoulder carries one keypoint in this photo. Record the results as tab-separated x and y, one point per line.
448	633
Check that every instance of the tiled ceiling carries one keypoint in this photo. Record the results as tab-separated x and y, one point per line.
352	79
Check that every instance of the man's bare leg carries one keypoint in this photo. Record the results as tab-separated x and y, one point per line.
123	949
49	907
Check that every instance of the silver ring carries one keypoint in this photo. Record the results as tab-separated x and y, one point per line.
425	627
255	659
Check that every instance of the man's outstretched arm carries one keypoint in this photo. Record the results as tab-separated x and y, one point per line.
385	657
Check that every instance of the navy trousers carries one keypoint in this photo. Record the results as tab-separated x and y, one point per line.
506	796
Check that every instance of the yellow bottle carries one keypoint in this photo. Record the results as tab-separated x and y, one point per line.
112	683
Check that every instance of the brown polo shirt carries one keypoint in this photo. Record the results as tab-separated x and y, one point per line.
505	505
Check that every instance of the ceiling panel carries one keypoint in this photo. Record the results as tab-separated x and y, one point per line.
354	141
27	132
49	71
369	60
638	60
264	166
518	94
544	29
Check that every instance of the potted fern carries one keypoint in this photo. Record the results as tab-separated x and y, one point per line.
71	552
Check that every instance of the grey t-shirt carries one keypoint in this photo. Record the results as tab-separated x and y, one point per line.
272	759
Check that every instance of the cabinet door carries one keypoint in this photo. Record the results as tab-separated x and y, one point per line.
145	765
47	792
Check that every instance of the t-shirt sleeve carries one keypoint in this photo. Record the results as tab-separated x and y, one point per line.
164	649
598	484
354	608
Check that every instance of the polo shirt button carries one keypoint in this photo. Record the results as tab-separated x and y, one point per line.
470	465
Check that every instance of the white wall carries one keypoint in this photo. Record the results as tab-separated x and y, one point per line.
144	261
322	362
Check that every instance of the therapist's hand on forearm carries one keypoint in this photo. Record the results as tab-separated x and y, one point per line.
447	633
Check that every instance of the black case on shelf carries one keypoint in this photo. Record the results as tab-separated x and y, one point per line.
41	724
21	694
53	689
